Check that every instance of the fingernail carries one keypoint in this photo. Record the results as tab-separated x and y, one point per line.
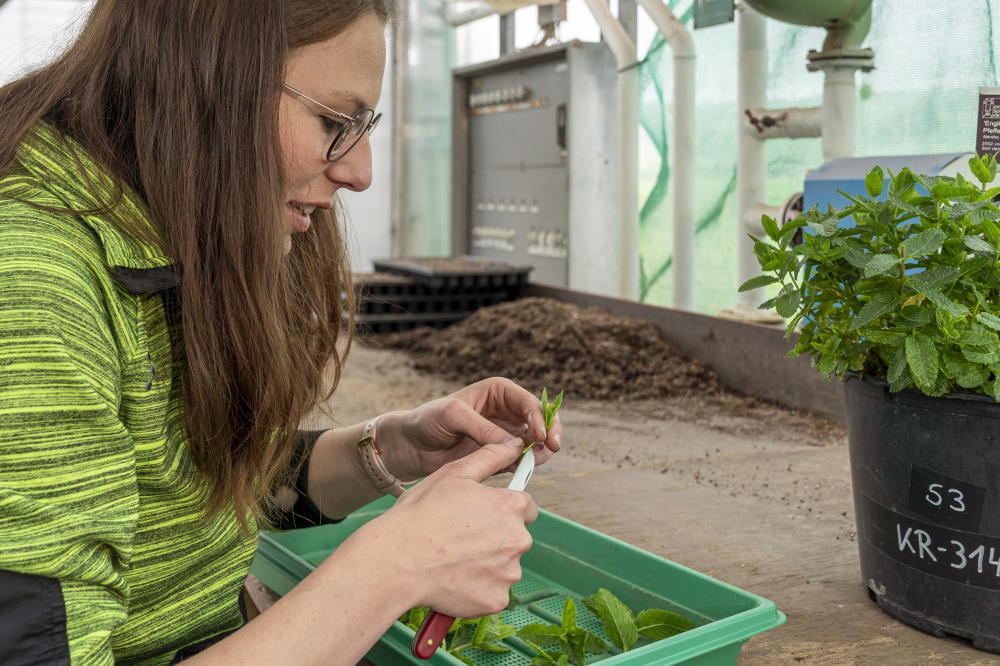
558	438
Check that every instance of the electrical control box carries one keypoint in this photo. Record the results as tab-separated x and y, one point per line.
534	166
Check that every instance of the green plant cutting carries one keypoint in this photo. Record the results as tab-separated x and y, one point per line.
909	294
560	644
549	410
622	627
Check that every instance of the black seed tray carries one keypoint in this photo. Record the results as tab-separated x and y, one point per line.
452	273
370	304
392	323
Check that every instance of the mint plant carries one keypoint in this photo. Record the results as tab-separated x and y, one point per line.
909	294
549	410
575	642
623	628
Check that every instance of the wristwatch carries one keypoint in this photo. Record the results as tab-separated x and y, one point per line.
371	458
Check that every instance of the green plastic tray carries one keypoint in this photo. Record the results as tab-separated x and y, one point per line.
567	559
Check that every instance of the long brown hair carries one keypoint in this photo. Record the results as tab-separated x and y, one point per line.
179	100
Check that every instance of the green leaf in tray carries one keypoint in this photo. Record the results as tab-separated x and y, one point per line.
569	614
540	634
659	624
619	624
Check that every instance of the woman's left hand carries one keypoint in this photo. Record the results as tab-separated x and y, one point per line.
415	443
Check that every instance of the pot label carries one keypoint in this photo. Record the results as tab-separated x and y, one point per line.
988	127
945	500
971	559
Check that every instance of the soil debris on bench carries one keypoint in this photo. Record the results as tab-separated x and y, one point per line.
595	355
538	342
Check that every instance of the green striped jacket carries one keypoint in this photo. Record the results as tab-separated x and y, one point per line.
103	530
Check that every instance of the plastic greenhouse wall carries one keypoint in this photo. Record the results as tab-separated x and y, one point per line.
930	56
930	59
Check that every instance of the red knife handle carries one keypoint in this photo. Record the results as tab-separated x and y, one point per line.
431	634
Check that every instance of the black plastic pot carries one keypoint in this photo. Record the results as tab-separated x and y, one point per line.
926	476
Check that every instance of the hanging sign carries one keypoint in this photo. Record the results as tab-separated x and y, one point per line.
713	12
988	129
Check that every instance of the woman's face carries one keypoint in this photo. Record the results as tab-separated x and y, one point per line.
343	73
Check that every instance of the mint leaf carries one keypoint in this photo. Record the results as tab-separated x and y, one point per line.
545	657
880	304
881	263
490	629
414	617
771	227
923	243
573	645
578	642
551	409
946	303
659	624
619	624
899	372
965	373
541	634
569	615
922	357
874	182
787	304
988	319
984	355
980	170
978	244
933	278
758	282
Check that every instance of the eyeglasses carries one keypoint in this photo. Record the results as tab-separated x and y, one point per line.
349	129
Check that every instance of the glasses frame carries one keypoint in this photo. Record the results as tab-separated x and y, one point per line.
349	123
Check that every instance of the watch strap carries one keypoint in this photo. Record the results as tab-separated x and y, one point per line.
371	459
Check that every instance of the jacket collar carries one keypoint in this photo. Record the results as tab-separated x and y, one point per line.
52	157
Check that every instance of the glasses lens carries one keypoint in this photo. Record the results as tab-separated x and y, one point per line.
350	134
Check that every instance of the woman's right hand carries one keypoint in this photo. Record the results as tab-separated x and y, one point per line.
451	543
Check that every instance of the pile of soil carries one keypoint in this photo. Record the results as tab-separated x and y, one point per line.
587	352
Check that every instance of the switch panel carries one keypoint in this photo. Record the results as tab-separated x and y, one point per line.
518	184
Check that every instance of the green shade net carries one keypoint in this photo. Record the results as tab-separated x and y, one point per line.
930	60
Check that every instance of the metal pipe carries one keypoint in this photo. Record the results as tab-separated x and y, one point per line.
506	34
791	123
839	110
751	170
624	52
682	187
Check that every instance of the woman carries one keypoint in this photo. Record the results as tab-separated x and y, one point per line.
172	277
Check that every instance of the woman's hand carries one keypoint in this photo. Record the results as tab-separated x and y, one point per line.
418	442
449	542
